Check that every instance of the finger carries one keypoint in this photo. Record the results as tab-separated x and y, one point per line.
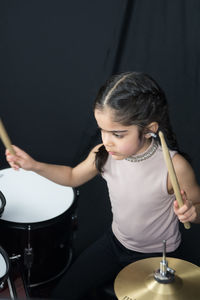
189	216
7	151
17	150
187	212
14	161
20	153
186	215
14	166
183	209
11	158
176	206
186	203
184	196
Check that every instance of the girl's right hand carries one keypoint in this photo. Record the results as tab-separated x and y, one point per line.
20	160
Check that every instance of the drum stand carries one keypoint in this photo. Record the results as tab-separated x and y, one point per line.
12	281
12	289
28	256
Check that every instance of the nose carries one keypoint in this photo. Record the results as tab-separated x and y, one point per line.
107	139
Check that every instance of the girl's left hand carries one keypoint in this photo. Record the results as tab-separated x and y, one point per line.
187	212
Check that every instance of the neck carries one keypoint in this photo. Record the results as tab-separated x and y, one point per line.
145	153
145	145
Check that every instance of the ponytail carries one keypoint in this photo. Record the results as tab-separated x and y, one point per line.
100	158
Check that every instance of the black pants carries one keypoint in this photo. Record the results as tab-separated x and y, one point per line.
98	264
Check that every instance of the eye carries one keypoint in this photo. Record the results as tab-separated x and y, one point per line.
117	135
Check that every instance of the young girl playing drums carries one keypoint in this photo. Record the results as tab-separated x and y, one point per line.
129	109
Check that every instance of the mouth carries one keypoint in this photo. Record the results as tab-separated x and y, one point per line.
112	153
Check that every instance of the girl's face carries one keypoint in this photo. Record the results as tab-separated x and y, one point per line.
120	141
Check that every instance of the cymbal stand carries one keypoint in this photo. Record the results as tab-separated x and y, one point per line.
164	274
12	289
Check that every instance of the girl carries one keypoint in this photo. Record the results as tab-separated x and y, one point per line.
129	109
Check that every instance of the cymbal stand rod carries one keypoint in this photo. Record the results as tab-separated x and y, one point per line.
164	250
164	274
163	263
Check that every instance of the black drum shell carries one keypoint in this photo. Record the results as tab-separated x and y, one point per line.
51	242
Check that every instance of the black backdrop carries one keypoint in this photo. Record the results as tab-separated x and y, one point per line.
56	54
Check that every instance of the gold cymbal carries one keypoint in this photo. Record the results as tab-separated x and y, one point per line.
136	281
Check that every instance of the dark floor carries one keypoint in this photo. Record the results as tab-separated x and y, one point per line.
44	292
16	286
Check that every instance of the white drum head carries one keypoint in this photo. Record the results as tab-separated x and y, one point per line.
3	268
32	198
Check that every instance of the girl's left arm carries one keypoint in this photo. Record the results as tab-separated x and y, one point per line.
190	191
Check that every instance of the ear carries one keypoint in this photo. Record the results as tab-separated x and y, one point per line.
151	128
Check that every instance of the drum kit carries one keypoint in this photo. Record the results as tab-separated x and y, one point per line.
36	228
34	218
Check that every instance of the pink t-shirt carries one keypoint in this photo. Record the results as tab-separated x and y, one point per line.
142	209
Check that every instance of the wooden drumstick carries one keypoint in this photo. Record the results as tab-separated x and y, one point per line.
172	174
5	138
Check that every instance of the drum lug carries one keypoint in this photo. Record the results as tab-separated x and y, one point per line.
74	219
15	256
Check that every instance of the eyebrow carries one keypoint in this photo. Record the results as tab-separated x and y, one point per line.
114	131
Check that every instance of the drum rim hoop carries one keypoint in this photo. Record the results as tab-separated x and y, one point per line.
7	261
3	201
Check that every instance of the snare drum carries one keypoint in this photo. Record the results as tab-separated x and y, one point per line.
4	267
37	223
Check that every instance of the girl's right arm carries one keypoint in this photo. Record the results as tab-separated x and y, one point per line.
63	175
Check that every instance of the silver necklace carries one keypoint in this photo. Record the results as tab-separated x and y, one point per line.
145	155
